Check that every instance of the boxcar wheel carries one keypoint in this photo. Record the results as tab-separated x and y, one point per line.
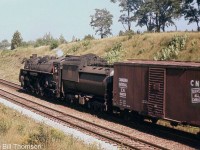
198	134
126	115
174	124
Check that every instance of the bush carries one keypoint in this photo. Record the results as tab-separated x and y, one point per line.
27	44
114	53
54	44
74	48
174	47
89	37
45	136
39	42
47	39
129	34
85	44
41	137
57	135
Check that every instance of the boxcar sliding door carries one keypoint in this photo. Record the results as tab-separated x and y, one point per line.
156	95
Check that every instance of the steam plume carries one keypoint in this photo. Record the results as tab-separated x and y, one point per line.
59	52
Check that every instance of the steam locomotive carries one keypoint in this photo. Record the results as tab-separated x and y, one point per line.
149	89
86	79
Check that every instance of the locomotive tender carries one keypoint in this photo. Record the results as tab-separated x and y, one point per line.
149	89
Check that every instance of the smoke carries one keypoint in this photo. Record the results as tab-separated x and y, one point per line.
59	52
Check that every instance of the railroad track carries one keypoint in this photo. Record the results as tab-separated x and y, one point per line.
10	84
123	140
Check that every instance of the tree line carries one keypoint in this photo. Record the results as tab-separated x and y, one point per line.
46	40
155	15
17	41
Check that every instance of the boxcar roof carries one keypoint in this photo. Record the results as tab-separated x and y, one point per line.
165	64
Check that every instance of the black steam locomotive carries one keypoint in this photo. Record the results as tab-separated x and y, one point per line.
148	89
86	79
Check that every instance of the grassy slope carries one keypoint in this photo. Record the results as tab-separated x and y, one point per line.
143	46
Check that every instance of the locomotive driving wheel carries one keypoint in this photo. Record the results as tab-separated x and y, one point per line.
37	88
37	92
41	92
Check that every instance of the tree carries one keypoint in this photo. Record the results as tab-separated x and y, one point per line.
145	17
129	7
191	11
4	44
88	37
47	38
157	15
62	39
16	40
54	44
101	21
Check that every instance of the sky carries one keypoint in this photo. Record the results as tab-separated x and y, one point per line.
35	18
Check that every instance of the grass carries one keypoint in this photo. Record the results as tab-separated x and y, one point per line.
189	129
16	128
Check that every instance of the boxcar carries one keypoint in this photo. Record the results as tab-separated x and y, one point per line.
159	89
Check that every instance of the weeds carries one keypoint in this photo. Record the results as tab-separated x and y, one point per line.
21	128
57	135
5	125
24	131
85	43
141	51
45	136
40	137
145	38
4	110
74	48
194	46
